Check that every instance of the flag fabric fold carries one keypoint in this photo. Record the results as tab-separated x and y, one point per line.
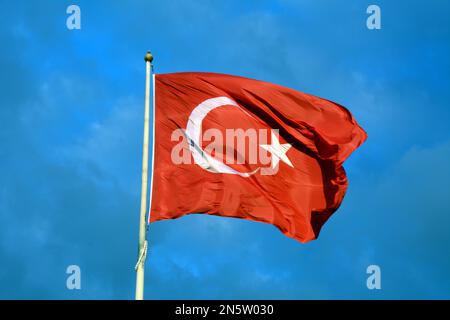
237	147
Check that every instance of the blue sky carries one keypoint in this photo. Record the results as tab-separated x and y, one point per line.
71	108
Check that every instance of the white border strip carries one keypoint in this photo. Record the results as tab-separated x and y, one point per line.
153	146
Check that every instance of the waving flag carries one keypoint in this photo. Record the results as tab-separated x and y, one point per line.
237	147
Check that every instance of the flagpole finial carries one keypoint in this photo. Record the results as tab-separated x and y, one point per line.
148	57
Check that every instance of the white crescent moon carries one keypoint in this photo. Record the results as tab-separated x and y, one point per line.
193	134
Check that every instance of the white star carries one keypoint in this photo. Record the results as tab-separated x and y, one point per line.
277	150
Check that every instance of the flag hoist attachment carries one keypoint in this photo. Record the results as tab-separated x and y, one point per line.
142	253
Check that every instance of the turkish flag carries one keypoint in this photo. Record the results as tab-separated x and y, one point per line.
236	147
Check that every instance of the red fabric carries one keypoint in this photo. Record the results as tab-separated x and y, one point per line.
296	200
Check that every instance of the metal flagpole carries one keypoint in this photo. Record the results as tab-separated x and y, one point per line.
142	221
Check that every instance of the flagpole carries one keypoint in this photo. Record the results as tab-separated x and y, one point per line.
142	221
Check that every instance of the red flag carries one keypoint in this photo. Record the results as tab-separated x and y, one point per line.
237	147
